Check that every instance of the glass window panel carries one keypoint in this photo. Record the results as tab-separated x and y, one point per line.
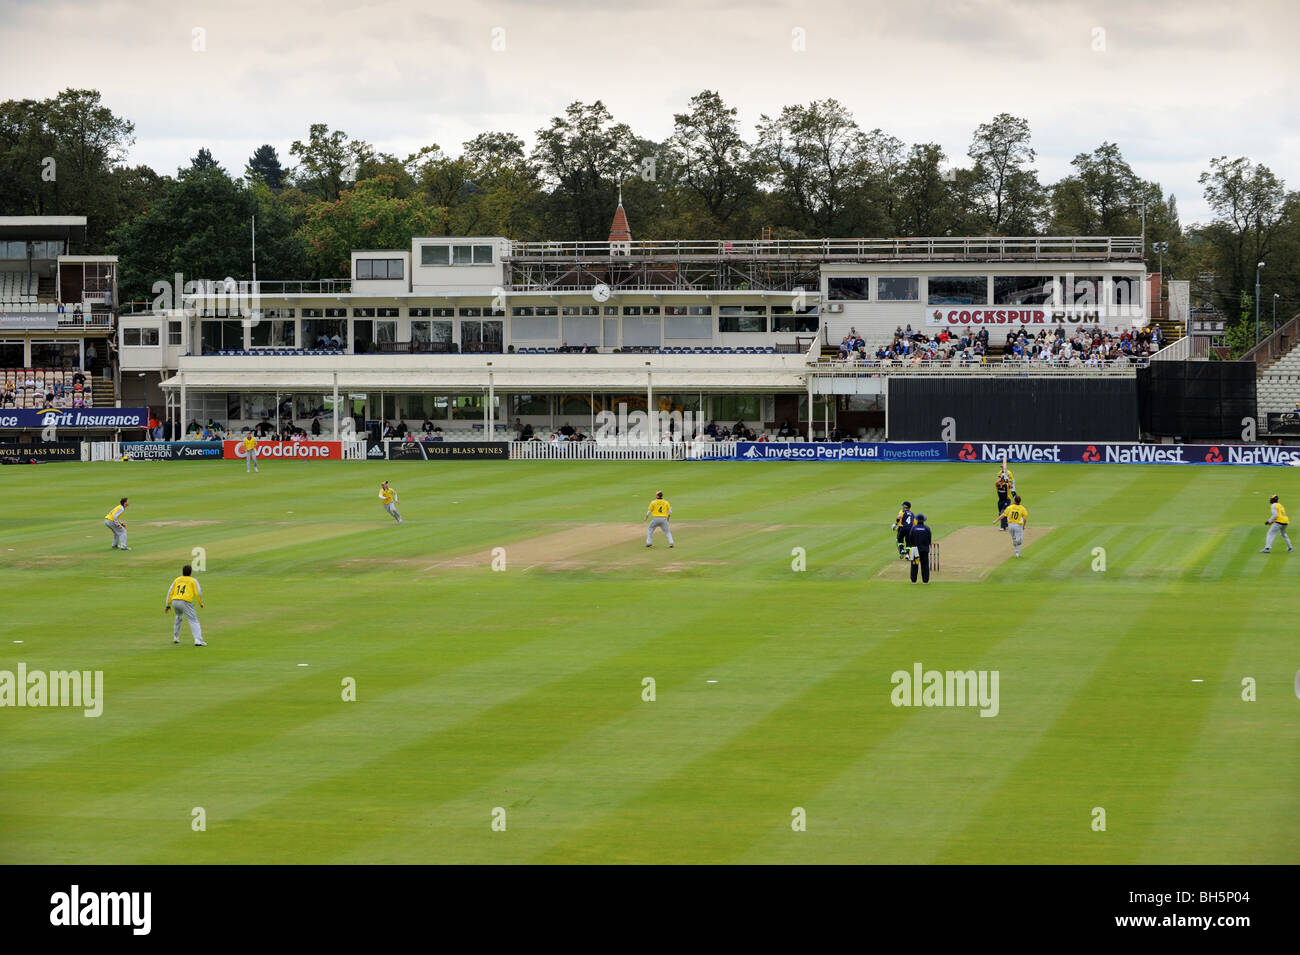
958	290
896	288
1023	289
435	255
847	288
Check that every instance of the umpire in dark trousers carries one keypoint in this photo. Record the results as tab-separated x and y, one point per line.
919	537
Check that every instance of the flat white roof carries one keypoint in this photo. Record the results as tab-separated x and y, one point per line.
27	221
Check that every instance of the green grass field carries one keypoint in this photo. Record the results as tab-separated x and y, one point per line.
522	689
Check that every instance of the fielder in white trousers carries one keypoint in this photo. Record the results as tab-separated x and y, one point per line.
662	523
185	611
119	533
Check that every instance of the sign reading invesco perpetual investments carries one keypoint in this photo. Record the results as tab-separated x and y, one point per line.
857	451
990	452
949	316
74	418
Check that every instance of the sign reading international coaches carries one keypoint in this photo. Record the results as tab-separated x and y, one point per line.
172	450
60	451
448	450
949	317
113	418
287	450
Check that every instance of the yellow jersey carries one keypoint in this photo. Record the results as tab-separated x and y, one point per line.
1015	513
660	508
185	588
115	514
250	443
1281	514
386	494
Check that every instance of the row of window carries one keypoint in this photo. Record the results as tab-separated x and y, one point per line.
1078	290
531	311
44	249
253	406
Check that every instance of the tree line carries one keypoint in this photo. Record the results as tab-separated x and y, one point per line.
806	171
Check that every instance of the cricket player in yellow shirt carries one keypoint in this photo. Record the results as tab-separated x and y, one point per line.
249	444
389	497
658	512
1277	523
1015	516
113	521
180	598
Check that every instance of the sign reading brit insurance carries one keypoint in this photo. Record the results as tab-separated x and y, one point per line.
957	316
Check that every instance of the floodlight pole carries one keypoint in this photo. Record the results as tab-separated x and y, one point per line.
1259	268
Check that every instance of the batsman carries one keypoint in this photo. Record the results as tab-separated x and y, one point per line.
1005	486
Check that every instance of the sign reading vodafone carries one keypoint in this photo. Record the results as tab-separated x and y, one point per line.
287	450
950	317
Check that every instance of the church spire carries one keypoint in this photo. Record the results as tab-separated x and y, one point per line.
619	230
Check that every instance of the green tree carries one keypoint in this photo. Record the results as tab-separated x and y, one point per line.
1004	190
368	216
200	226
328	162
816	159
582	157
710	161
1102	197
264	166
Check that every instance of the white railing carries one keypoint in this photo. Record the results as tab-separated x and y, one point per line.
936	247
611	451
1180	350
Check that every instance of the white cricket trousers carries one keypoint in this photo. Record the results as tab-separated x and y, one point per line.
660	522
1017	535
185	609
1273	530
119	532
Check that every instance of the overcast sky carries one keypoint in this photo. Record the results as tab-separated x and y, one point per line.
1174	82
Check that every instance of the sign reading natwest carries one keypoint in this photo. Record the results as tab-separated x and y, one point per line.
955	316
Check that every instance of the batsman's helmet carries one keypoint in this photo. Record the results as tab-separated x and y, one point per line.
907	503
1273	499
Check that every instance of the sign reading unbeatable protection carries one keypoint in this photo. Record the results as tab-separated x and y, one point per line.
290	450
172	450
75	418
447	450
60	451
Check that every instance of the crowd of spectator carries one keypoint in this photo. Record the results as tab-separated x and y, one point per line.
1090	347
